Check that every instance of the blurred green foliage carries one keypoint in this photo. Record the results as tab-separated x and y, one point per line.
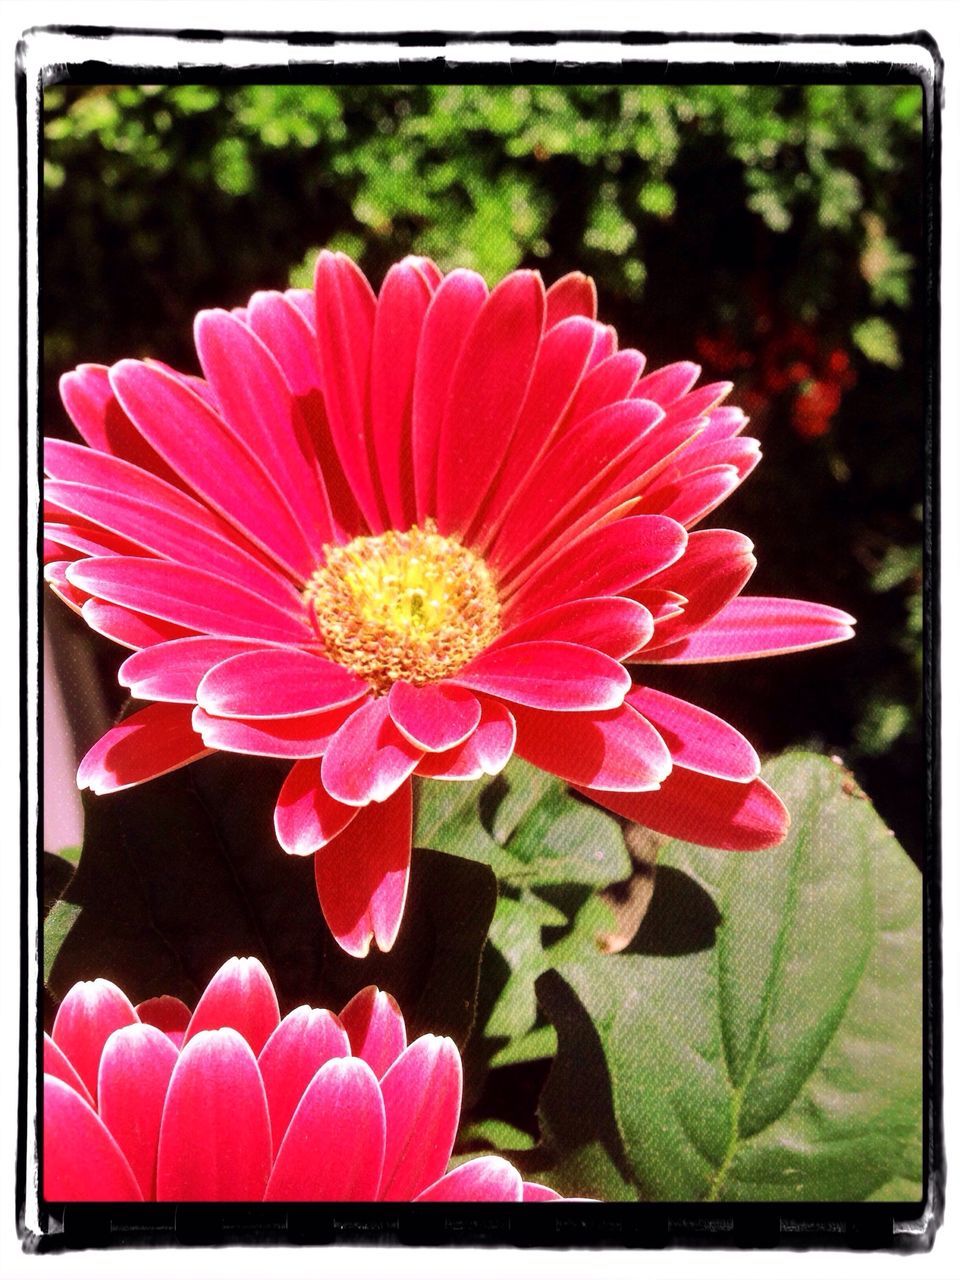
715	218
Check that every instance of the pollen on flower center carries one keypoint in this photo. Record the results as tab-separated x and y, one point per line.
410	606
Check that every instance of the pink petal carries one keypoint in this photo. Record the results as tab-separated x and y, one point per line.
172	670
611	380
668	384
535	1192
486	1178
758	626
74	538
486	751
258	406
213	461
135	1071
90	1012
691	806
550	674
345	313
486	392
690	498
572	295
605	562
290	738
404	298
55	574
81	1161
127	627
614	625
273	683
619	749
295	1052
239	995
695	738
362	875
215	1133
56	1063
187	597
167	1014
151	742
306	817
375	1025
368	757
421	1097
333	1149
725	422
433	717
449	319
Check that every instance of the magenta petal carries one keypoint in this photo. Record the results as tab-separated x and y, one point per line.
668	384
695	738
758	626
618	749
215	1133
288	738
127	627
421	1097
56	1063
375	1025
239	995
272	683
333	1149
296	1050
90	1012
167	1014
135	1070
534	1192
486	1178
306	817
368	757
612	380
149	743
362	875
90	401
714	567
572	295
433	717
550	674
171	671
81	1160
486	751
616	626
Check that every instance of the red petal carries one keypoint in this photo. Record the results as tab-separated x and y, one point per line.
56	1063
619	749
534	1192
90	401
485	1178
167	1014
421	1098
295	1052
486	751
151	742
572	295
433	717
611	380
215	1132
291	738
239	995
306	817
272	683
758	626
333	1149
695	738
90	1012
668	384
375	1025
81	1161
690	806
550	674
368	757
362	875
127	627
172	670
135	1071
614	625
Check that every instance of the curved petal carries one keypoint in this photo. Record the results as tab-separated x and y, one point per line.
215	1132
690	806
433	717
167	1014
612	379
135	1070
421	1098
535	1192
374	1023
615	625
572	295
239	995
362	875
486	751
127	627
291	738
333	1148
151	742
485	1178
618	749
56	1063
90	1012
550	674
295	1052
269	684
81	1160
307	817
172	670
668	384
368	758
695	738
757	627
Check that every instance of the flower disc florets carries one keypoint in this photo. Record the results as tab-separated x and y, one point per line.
414	606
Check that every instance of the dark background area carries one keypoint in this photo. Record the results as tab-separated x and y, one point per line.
773	233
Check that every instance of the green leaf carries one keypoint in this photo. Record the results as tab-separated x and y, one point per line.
59	921
496	1135
878	341
785	1062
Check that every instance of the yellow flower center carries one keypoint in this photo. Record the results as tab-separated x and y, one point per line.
410	606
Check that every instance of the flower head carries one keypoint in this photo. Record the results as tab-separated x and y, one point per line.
408	535
233	1103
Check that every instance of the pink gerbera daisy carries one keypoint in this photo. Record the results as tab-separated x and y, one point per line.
409	535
